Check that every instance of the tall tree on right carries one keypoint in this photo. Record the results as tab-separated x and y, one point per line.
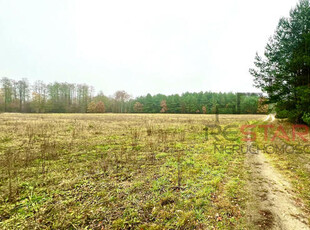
284	70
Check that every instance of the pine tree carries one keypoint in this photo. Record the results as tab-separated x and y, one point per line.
284	71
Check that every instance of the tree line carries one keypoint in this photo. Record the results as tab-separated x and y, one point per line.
63	97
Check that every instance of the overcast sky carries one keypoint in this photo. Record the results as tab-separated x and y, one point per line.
169	46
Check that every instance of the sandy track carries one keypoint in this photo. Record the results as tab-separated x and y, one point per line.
272	204
270	117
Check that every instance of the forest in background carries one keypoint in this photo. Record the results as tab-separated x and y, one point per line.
20	96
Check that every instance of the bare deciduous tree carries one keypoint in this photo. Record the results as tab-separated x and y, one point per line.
164	107
138	107
121	97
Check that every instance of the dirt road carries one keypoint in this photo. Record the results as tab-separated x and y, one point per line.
272	204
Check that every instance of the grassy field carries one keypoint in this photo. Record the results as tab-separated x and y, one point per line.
124	171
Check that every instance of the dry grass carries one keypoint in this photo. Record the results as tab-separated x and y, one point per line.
130	171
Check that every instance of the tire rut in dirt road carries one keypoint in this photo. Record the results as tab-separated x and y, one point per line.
271	204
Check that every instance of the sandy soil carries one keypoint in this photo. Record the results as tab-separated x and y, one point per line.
272	204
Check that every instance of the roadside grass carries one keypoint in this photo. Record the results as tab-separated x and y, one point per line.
120	171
